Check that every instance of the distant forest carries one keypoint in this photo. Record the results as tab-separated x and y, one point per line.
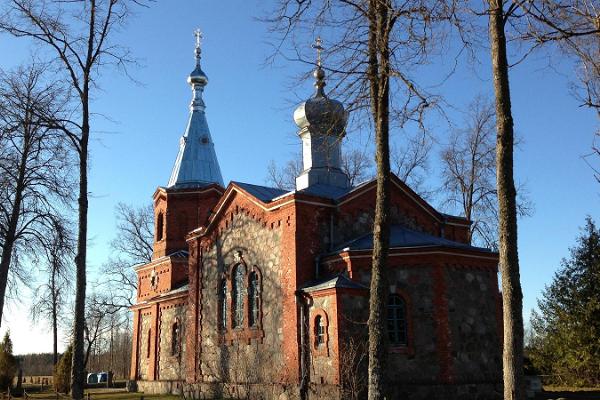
36	364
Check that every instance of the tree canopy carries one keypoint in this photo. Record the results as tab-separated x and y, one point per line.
564	341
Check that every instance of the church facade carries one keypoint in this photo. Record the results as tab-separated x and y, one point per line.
256	292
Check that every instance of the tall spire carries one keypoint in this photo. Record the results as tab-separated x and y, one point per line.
322	123
196	164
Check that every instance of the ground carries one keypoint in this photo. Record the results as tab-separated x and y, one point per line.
33	392
568	393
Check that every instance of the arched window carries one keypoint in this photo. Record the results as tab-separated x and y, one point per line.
396	320
175	339
238	296
319	331
253	299
223	304
148	343
160	226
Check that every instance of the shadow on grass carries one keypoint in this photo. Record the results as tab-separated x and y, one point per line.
569	394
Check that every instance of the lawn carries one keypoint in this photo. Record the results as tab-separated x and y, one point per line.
556	392
101	394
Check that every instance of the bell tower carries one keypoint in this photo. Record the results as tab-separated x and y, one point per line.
196	183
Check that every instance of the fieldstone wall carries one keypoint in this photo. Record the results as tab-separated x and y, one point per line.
419	362
476	345
143	359
246	355
324	358
172	366
349	226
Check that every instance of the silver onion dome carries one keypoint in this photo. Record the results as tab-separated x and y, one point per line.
197	76
325	115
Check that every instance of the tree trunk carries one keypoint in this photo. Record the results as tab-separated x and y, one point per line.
77	371
54	290
13	222
512	297
379	80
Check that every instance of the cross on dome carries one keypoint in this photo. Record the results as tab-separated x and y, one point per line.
319	74
318	46
197	50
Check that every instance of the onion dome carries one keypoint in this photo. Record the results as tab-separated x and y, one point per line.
320	113
322	123
197	76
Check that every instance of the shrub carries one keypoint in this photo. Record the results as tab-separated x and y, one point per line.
62	372
8	363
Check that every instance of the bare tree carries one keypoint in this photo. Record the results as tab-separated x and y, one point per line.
469	172
574	26
77	34
33	183
285	177
353	360
51	297
512	295
355	163
133	245
411	162
378	46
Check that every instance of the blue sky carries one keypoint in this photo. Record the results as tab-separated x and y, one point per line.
249	110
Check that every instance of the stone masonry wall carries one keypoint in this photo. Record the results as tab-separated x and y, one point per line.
324	358
143	359
246	355
172	366
419	361
476	345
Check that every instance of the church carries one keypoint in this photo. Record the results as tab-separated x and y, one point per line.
261	293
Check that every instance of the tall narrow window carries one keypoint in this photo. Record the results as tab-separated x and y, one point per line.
175	339
223	304
159	226
319	331
396	320
253	299
148	343
238	296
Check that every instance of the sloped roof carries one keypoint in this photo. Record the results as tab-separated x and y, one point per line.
326	191
263	193
339	281
401	236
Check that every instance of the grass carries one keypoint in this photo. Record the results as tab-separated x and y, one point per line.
570	393
34	392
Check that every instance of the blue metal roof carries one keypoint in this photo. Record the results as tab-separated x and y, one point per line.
196	164
263	193
401	236
338	281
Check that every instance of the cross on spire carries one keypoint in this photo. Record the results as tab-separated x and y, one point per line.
197	50
318	46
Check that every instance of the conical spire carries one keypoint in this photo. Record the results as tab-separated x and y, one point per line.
196	164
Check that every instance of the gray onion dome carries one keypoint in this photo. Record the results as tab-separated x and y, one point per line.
325	115
197	76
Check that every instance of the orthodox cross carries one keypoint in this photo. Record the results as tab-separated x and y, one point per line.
317	46
198	35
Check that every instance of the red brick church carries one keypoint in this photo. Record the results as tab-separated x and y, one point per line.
256	292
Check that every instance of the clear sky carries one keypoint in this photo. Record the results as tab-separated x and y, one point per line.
249	111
